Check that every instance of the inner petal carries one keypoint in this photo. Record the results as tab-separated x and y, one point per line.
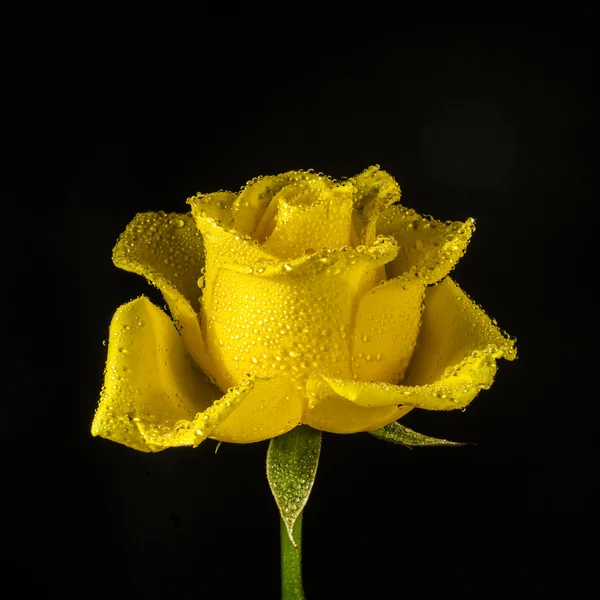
254	199
310	219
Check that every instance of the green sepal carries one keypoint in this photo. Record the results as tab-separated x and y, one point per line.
399	434
292	460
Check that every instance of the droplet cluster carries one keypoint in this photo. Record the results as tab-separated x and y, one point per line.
427	249
281	324
167	249
386	327
292	461
150	383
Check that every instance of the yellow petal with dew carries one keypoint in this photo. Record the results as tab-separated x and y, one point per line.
273	407
455	358
323	220
168	250
224	247
375	191
385	330
218	205
300	194
454	328
150	382
328	411
254	199
268	220
428	249
268	317
154	397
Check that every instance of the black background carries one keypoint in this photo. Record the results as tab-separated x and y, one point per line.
479	120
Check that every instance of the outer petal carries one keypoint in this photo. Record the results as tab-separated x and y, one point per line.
385	330
254	199
324	222
428	249
167	249
273	407
375	191
150	384
455	358
269	317
454	329
154	397
328	411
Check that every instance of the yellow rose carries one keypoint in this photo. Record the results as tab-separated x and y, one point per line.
298	300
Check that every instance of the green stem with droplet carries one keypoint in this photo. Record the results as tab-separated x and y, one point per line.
291	562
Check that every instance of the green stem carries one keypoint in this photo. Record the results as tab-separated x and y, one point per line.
291	562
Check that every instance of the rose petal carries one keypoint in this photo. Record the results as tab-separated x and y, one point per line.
385	331
224	247
273	407
154	397
254	199
303	193
454	328
150	384
375	191
310	218
218	205
227	246
428	249
267	317
328	411
455	358
168	251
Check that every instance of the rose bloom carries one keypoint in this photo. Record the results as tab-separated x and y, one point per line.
298	300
